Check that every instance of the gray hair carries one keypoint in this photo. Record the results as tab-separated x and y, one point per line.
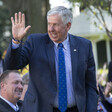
65	13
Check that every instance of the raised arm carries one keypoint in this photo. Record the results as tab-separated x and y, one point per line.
18	27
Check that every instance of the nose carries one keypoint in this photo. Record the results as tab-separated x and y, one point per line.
51	28
20	86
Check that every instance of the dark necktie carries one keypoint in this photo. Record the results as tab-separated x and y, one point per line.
62	80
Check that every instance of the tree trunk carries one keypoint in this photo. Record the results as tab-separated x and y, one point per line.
35	12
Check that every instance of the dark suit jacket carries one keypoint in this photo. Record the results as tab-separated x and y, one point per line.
5	107
38	52
110	72
102	98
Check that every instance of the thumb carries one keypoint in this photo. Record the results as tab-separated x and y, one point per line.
27	28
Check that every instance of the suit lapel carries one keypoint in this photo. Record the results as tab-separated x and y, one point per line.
74	57
51	59
7	107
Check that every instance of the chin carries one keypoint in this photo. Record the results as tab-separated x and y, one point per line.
18	97
54	40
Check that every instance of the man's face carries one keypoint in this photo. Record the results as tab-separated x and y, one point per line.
57	30
13	87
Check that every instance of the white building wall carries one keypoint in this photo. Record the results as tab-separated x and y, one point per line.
83	25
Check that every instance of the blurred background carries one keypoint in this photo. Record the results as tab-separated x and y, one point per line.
92	19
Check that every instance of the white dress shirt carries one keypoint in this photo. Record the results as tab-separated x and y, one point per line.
15	107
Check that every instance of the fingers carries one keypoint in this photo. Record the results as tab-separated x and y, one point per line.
12	20
16	19
18	24
19	18
23	18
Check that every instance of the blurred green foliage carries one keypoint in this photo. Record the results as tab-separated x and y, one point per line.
5	27
103	4
97	8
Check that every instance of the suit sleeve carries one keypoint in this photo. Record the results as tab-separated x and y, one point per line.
18	58
91	89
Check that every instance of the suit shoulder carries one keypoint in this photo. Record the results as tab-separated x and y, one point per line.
79	39
37	36
37	39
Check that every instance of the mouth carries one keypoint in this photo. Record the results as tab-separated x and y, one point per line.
53	35
19	92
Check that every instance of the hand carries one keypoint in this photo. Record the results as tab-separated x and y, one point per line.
18	26
108	89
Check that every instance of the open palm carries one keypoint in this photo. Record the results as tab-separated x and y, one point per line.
18	26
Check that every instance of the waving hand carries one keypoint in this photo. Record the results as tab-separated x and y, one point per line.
18	26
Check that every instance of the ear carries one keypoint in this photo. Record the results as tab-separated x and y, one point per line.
1	84
68	25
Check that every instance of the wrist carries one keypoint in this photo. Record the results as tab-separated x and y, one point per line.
16	41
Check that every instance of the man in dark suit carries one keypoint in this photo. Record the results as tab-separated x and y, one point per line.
110	72
105	100
40	51
10	91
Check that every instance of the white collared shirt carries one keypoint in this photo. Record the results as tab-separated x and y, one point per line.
70	91
15	107
100	105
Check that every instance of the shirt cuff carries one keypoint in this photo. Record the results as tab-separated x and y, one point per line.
15	46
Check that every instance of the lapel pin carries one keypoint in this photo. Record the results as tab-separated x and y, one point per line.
75	50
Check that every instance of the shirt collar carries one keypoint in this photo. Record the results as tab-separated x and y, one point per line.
65	43
15	107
